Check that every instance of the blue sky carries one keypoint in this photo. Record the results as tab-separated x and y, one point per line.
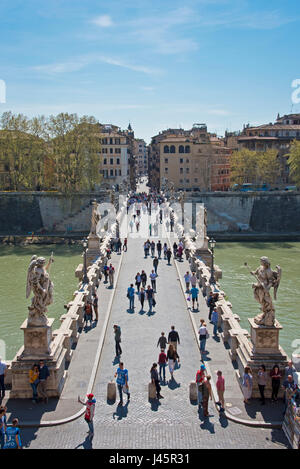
157	64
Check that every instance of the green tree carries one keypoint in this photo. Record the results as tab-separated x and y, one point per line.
268	167
294	162
244	166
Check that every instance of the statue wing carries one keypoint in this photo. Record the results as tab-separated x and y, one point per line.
276	281
30	275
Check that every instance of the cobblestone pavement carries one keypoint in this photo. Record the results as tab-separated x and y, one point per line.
173	422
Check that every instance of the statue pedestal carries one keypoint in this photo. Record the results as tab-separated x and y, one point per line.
93	250
265	339
39	343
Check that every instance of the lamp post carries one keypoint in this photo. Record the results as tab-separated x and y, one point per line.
85	245
212	245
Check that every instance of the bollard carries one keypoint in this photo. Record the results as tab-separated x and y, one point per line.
193	392
111	391
151	391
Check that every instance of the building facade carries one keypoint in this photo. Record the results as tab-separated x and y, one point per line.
141	157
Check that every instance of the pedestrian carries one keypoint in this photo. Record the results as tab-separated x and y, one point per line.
173	338
111	274
125	245
200	375
220	385
211	304
175	249
179	253
215	320
275	376
153	277
194	280
159	248
3	371
117	331
119	246
195	293
144	278
172	357
160	216
138	281
105	271
13	438
247	384
155	264
289	370
131	225
145	249
34	381
122	382
142	296
150	297
95	306
3	427
262	381
130	296
165	251
203	336
88	313
187	279
43	376
167	225
162	342
206	394
169	254
89	414
155	380
137	226
152	248
290	390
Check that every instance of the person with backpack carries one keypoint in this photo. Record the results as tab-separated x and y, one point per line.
162	361
130	296
155	380
89	412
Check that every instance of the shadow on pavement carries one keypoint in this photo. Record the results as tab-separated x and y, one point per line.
154	404
86	444
270	412
172	384
26	410
121	411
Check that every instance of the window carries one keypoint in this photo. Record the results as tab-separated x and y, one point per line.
116	172
111	141
166	160
196	179
187	170
181	160
104	141
172	149
166	149
111	172
117	141
181	149
181	170
105	161
188	149
104	150
117	150
120	172
111	150
166	170
118	160
111	161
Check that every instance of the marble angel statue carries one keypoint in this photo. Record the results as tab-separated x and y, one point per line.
38	282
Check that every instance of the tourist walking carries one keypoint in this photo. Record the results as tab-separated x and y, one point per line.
155	264
193	280
152	248
175	249
125	245
290	390
195	293
89	414
153	276
215	320
155	380
142	296
144	278
262	382
173	338
88	313
247	384
111	274
187	279
200	375
276	377
162	341
162	361
13	438
169	254
180	252
150	298
117	331
34	381
203	336
106	271
165	249
95	306
172	357
3	427
122	382
130	296
220	385
159	248
206	394
43	376
138	281
3	371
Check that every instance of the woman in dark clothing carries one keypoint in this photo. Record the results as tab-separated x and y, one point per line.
155	380
172	356
275	376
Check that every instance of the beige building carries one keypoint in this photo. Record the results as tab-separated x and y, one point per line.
185	158
140	156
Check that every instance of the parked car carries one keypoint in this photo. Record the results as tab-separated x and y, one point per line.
291	188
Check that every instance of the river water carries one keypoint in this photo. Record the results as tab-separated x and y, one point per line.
14	262
237	282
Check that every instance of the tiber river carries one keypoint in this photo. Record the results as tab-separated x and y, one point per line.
230	257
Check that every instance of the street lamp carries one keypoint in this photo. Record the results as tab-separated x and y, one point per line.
212	245
85	245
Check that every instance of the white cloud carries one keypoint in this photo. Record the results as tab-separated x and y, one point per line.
104	21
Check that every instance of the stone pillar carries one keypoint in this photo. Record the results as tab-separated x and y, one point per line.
37	340
93	250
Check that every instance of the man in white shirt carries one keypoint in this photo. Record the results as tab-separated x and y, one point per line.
187	279
153	277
